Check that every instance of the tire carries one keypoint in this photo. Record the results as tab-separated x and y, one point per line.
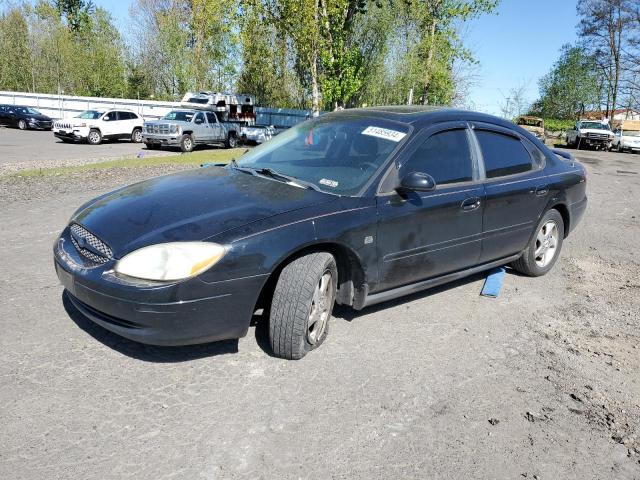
152	146
294	328
533	261
22	125
136	135
94	137
186	143
232	141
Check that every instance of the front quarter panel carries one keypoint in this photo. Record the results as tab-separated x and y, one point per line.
259	248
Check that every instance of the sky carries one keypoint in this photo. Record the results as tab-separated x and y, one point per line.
514	46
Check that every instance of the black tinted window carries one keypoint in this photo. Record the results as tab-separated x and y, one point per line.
503	154
445	156
211	117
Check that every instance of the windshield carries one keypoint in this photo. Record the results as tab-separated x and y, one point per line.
594	125
179	115
27	111
90	115
631	133
337	155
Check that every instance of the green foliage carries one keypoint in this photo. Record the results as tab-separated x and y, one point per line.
557	124
570	87
290	53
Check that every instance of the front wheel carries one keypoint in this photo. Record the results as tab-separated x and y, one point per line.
543	250
186	143
22	125
302	304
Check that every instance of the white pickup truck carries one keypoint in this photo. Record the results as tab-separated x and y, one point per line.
188	128
590	133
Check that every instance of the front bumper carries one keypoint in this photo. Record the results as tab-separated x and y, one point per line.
41	124
170	140
76	134
183	313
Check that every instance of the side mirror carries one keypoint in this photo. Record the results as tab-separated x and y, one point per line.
417	182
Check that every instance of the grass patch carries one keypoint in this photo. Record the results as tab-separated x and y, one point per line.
192	159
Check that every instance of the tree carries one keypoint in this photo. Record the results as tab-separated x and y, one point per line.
76	13
571	87
515	103
15	57
603	29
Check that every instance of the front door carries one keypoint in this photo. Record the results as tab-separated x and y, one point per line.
515	190
202	132
427	234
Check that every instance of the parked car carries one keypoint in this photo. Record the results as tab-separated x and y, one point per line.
355	207
188	128
94	126
590	133
627	136
23	117
534	124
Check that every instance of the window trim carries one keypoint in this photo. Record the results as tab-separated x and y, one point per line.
509	133
422	136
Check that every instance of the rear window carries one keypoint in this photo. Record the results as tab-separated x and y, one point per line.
503	154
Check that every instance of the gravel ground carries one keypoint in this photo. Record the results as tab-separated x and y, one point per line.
541	382
40	149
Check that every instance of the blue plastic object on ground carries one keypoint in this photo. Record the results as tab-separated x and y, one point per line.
493	283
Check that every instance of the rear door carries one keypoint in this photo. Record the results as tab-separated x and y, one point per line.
217	131
427	234
515	190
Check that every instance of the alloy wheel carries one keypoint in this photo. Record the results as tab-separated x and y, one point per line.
546	244
320	311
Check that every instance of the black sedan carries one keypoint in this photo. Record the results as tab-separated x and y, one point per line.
355	208
24	118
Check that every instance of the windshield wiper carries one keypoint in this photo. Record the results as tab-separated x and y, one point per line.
286	178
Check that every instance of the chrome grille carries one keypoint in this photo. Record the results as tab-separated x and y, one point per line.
66	126
89	245
162	128
597	136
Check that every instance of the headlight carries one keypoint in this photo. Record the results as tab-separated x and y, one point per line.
170	261
173	128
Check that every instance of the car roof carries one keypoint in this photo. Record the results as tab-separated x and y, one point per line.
421	115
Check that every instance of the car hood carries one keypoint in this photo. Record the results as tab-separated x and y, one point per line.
596	130
189	206
39	116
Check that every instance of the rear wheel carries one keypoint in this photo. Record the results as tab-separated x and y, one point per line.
302	304
136	136
94	137
22	124
232	141
542	252
186	143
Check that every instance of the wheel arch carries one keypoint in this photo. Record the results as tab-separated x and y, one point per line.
351	275
562	208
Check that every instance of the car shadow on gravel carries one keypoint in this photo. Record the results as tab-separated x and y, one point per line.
147	353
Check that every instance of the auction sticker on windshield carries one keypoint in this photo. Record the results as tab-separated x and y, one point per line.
385	133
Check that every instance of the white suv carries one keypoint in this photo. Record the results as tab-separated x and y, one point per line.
96	125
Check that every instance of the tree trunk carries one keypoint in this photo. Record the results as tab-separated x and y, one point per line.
427	79
315	94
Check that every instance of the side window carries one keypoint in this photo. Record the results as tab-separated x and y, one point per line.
503	154
199	118
109	117
211	118
445	156
133	116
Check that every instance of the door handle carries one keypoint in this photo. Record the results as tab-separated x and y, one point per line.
541	191
470	203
